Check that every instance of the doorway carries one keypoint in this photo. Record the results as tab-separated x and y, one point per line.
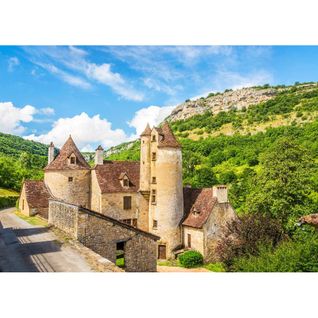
120	254
162	253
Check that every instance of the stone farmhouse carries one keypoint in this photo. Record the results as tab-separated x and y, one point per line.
147	196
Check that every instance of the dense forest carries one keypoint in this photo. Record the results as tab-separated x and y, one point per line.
20	159
268	155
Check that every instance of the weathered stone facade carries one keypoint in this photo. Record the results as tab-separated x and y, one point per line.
147	195
102	234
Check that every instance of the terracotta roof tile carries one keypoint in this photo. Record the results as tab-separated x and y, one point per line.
37	194
147	131
61	160
168	139
199	200
311	219
109	174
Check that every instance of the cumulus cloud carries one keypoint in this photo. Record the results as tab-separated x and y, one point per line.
11	117
12	63
153	115
87	132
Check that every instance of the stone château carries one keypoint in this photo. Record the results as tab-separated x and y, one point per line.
147	195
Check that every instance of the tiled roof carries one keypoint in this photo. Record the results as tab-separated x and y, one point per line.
109	174
147	131
167	137
311	219
37	194
61	160
199	200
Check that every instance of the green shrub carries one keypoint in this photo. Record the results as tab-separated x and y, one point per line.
291	256
215	267
7	202
190	259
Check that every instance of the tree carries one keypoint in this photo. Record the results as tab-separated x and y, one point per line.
204	178
283	186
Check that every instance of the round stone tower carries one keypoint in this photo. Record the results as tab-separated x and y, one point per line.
166	190
68	176
145	160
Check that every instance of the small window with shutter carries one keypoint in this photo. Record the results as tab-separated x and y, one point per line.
127	203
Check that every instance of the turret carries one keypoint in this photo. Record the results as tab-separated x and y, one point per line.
166	190
145	160
51	153
99	155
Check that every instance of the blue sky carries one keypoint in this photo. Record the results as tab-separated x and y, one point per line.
106	94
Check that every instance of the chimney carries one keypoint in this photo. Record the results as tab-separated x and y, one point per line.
220	192
51	153
99	155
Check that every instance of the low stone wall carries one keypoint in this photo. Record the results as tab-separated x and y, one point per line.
63	216
102	234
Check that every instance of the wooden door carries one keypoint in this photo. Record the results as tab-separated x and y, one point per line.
162	252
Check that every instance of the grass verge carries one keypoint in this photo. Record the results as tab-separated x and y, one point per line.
33	220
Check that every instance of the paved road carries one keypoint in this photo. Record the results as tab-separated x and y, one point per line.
28	248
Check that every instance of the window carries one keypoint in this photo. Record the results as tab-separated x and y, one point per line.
153	196
153	138
73	160
189	240
70	179
153	157
126	183
155	224
127	203
132	222
154	180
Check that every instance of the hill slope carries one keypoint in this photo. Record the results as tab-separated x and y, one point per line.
20	159
226	146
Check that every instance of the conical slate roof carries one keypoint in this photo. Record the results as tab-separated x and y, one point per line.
147	131
168	139
61	161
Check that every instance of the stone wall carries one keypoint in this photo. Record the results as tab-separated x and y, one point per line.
101	234
214	229
76	191
197	238
64	216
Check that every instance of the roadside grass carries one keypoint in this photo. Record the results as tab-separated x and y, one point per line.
33	220
172	263
8	193
215	267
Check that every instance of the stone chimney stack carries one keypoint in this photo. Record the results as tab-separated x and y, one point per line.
220	192
99	155
51	153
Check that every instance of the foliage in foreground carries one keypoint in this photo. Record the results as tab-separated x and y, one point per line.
297	255
190	259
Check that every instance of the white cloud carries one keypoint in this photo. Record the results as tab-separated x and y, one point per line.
47	111
66	77
11	117
12	63
153	115
87	132
75	60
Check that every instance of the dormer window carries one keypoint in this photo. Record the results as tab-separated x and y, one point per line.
126	183
153	138
124	180
72	159
195	212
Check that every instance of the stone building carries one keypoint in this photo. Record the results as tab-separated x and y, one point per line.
147	195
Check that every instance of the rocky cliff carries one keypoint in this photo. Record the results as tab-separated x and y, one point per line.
237	99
